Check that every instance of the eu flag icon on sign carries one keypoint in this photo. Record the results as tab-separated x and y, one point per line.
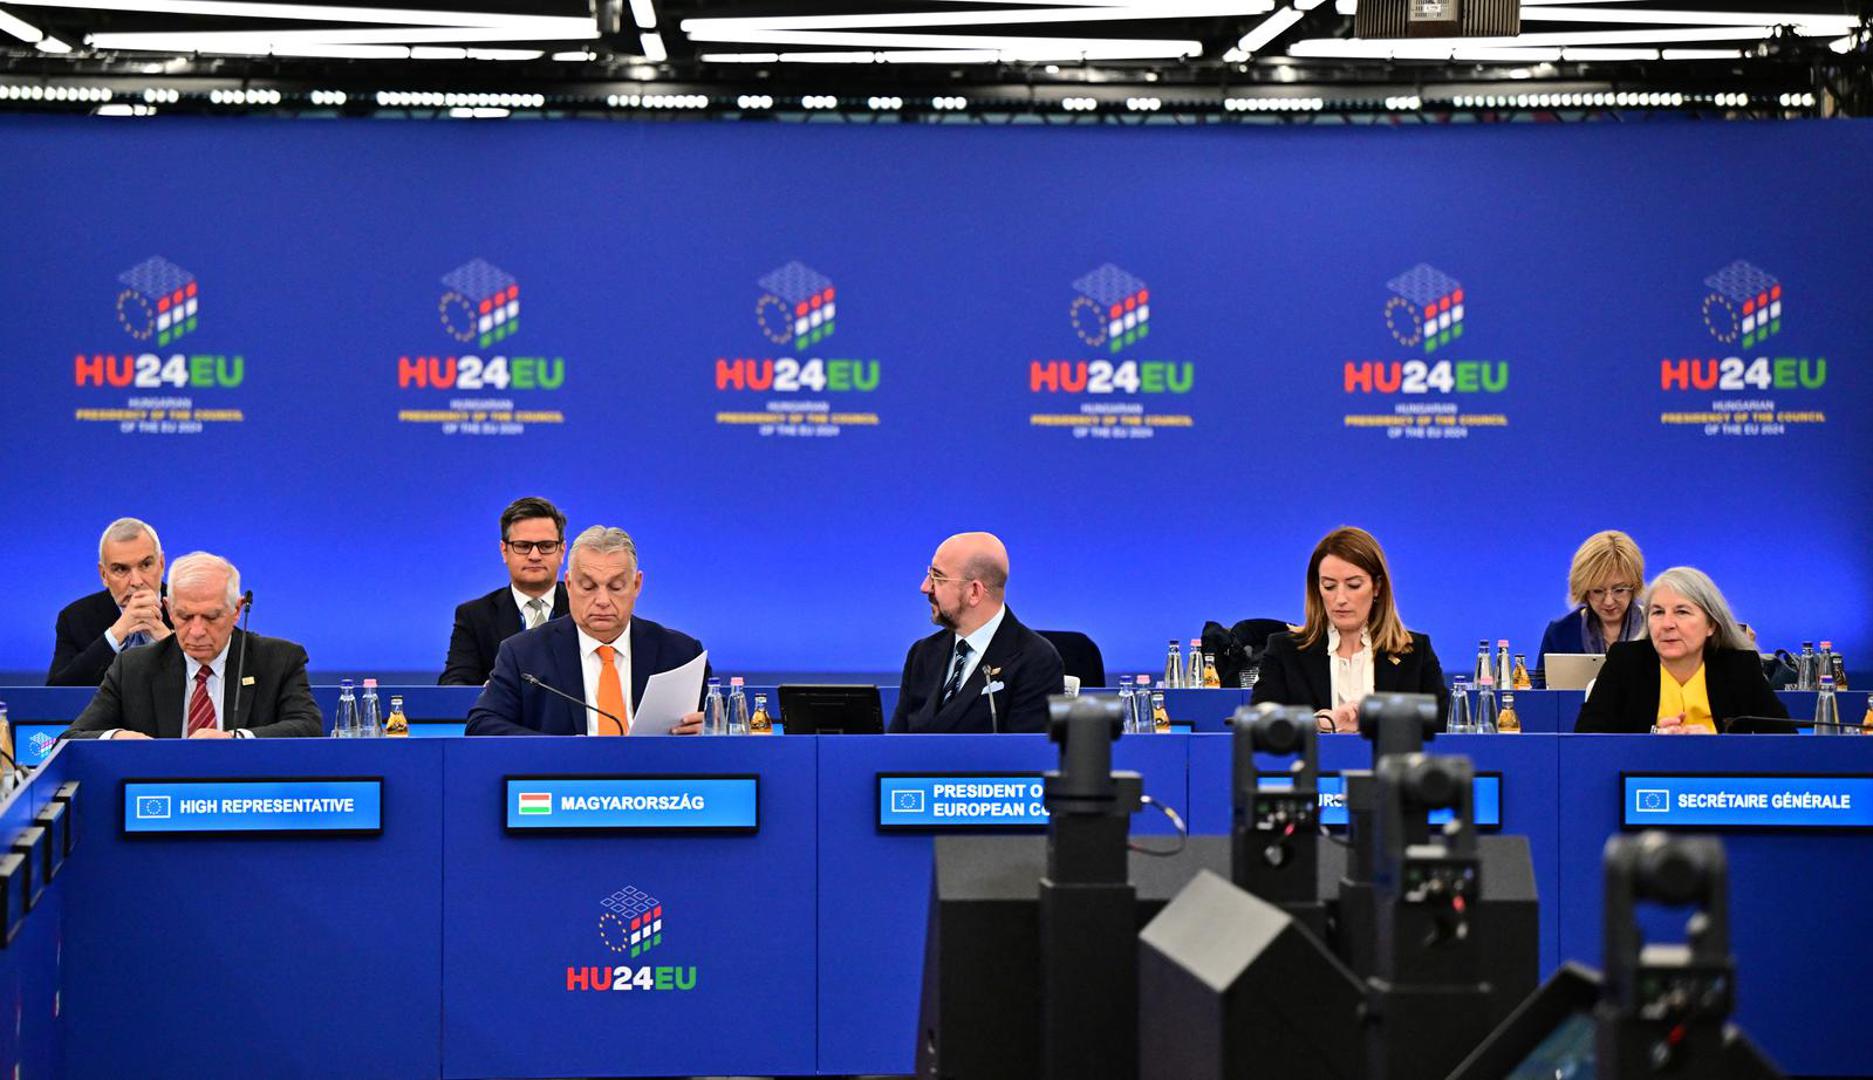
907	802
1652	801
152	806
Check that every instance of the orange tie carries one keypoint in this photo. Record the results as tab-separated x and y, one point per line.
611	695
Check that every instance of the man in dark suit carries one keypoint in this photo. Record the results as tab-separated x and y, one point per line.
127	612
533	534
187	685
984	671
592	656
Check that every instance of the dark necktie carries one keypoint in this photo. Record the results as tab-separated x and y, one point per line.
955	682
201	710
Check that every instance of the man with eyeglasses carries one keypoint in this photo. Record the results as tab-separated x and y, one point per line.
533	542
129	611
983	671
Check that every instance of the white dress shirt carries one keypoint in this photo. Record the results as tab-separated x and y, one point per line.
978	644
217	683
589	665
1351	675
521	600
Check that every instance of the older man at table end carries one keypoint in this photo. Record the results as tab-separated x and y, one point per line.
984	671
591	657
187	685
126	613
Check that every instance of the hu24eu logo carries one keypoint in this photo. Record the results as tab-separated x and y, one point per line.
1110	311
158	303
480	307
631	925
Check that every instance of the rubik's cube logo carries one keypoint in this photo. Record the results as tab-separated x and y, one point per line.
480	303
1744	302
1111	309
1425	309
159	301
796	306
632	922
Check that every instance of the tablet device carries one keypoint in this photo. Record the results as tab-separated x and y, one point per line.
1572	671
831	709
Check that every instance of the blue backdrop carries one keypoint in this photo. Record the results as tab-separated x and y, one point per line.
1596	369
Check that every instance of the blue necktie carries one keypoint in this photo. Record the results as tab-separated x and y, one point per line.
137	639
956	673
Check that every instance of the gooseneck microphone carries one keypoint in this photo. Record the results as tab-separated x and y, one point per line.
240	665
533	680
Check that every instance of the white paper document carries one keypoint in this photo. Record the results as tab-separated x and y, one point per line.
668	697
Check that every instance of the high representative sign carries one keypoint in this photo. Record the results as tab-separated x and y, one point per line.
281	806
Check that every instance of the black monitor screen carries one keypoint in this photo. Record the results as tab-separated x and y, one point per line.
1566	1054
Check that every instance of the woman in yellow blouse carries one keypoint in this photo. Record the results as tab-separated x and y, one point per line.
1693	673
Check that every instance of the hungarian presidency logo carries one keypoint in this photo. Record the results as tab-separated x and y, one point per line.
796	306
1425	310
1111	309
632	921
1744	302
159	301
480	303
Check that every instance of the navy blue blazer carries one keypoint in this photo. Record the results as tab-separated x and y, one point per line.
1027	667
550	653
481	625
81	656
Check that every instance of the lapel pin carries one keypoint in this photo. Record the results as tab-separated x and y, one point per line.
247	680
1394	660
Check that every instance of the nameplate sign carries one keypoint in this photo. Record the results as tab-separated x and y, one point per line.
1485	799
281	806
1757	801
941	801
662	803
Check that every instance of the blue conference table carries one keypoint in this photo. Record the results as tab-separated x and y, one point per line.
450	944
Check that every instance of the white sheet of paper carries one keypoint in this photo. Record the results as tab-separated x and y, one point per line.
668	696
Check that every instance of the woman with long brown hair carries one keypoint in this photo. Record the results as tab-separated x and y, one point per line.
1352	643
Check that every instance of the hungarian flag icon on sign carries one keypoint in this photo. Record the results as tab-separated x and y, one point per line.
536	802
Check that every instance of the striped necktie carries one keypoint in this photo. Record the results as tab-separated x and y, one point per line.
956	671
536	612
201	710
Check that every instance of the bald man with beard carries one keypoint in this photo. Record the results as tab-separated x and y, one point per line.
983	672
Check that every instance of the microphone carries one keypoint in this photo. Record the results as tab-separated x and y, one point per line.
529	678
240	667
988	691
1783	721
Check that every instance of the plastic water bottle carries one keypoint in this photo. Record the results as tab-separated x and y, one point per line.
1128	709
1173	668
1505	671
737	707
1827	710
715	709
345	720
1485	723
1804	668
370	715
1141	706
1193	675
760	723
1482	661
396	725
1507	722
1458	720
1824	664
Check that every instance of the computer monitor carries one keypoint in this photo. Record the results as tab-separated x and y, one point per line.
1550	1036
831	709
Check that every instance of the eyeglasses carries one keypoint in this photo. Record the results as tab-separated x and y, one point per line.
1620	592
938	577
528	547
